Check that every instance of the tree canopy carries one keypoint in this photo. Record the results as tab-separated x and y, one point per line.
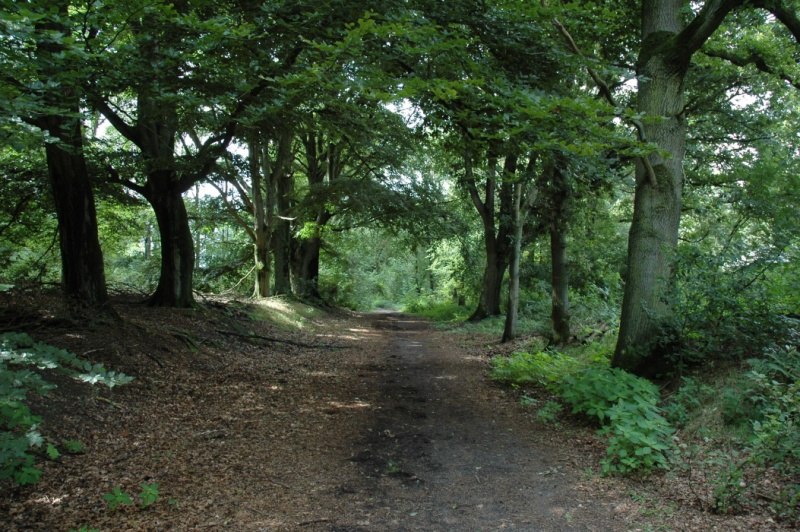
503	147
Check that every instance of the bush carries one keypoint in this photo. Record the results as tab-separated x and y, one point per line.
625	405
19	437
547	368
640	437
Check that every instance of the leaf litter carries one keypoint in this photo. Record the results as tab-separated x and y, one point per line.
353	422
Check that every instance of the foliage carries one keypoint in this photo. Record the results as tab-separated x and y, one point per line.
722	309
548	414
149	496
687	399
640	437
627	406
117	498
546	368
20	439
437	310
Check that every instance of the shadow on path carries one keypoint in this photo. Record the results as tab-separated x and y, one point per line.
446	453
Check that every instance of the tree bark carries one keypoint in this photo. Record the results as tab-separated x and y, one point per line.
559	280
497	240
82	270
666	51
177	248
260	225
512	311
323	165
282	237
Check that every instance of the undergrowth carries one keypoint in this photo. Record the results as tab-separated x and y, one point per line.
21	443
739	428
625	406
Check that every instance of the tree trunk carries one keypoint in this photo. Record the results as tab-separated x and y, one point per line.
323	166
82	269
260	226
510	330
307	273
559	218
664	59
177	249
282	238
560	281
496	240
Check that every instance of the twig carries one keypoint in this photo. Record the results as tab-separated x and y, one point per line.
109	401
230	290
154	359
314	521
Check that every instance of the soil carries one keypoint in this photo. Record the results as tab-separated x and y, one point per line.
359	422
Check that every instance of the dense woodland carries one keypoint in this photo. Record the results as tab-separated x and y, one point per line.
618	175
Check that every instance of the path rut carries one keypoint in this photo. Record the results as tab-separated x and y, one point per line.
444	451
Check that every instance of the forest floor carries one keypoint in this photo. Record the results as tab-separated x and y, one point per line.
336	422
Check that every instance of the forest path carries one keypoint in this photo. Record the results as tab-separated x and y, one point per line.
446	451
355	422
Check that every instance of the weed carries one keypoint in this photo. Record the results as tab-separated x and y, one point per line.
116	498
639	436
548	414
149	494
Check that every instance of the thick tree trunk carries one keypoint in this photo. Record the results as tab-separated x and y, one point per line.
497	240
282	239
490	301
82	270
666	51
83	274
177	249
560	282
306	277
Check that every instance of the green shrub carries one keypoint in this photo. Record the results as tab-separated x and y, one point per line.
688	398
627	406
639	437
546	368
19	437
437	310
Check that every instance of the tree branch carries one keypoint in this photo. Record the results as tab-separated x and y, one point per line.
116	178
752	59
233	212
607	95
699	30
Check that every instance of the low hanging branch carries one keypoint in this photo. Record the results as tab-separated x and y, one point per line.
605	91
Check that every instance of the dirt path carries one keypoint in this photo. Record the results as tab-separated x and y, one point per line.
445	452
383	424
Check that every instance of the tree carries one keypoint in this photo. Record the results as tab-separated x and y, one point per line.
45	77
667	47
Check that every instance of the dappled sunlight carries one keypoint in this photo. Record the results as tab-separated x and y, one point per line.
52	501
356	405
325	374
